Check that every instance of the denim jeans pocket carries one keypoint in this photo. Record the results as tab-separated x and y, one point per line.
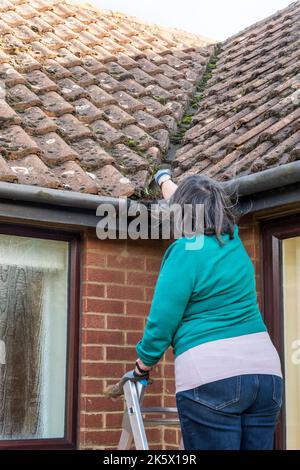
277	389
219	394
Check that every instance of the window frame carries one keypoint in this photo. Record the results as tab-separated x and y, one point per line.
69	441
273	232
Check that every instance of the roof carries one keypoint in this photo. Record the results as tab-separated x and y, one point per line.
89	98
247	116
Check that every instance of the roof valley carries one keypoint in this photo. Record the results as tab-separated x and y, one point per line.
186	121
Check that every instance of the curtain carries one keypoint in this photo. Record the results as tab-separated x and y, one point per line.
33	337
291	292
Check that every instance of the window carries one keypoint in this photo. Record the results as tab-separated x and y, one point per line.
291	314
281	259
38	338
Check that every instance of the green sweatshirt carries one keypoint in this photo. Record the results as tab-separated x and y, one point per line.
201	295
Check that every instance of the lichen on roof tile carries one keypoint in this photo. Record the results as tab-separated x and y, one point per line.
55	105
53	149
20	97
15	142
36	122
137	137
127	160
31	170
106	134
8	115
71	129
86	111
91	155
117	117
113	183
74	178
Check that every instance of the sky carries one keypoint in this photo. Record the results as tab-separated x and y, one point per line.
215	19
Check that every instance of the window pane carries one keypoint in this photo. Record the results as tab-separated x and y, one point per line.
291	290
33	337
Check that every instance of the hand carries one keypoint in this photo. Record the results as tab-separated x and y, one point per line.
162	175
145	375
141	370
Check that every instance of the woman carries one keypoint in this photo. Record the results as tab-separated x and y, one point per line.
228	375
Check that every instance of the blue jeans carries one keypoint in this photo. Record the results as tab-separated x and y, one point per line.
237	413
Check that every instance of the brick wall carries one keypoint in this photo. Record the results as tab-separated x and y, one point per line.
118	281
249	231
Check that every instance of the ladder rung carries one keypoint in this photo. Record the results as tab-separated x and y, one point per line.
161	421
134	421
156	409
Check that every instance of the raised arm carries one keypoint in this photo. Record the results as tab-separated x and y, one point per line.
167	186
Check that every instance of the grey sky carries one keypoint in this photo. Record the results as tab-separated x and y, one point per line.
216	19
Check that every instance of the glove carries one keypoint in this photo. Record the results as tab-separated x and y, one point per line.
145	375
138	372
160	173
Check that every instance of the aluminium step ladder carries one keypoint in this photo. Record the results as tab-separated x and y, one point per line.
133	428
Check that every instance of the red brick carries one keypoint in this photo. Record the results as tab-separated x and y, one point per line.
106	275
154	434
125	262
169	401
93	290
247	241
95	259
260	302
149	293
152	400
153	264
105	306
138	308
125	323
125	292
132	337
122	354
102	337
250	250
245	233
169	356
90	421
149	248
111	371
169	370
170	386
141	279
102	370
157	386
102	437
113	420
156	446
92	353
106	246
90	369
90	404
157	370
128	364
91	386
171	436
93	321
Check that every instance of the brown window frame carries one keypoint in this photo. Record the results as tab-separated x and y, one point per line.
273	232
69	441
